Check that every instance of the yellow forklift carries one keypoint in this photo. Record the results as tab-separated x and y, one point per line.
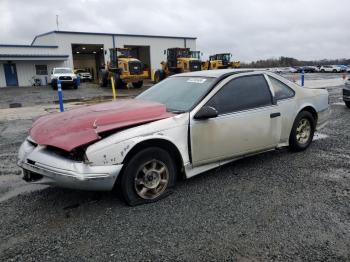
124	69
179	60
220	61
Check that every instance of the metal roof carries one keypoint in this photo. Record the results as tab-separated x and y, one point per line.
30	46
33	57
20	55
112	34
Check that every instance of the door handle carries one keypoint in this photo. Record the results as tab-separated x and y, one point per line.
273	115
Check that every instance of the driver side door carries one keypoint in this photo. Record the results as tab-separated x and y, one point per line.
248	121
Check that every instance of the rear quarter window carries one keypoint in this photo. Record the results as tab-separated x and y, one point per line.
282	91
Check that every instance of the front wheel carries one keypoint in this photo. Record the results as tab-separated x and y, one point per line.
302	131
347	103
137	84
148	176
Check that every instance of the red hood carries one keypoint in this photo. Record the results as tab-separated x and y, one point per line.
83	125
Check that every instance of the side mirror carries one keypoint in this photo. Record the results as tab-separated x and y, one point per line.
206	112
274	101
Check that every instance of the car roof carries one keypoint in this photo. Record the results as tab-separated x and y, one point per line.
219	72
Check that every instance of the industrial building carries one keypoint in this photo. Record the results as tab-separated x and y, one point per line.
21	64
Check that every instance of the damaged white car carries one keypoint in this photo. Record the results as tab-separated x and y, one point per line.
180	127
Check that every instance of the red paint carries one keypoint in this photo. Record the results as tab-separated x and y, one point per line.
83	125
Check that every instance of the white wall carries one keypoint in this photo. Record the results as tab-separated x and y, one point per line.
26	70
65	41
157	46
30	51
49	39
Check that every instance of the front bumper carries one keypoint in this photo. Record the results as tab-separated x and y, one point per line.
42	166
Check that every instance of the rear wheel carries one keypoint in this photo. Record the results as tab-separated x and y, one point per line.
118	83
138	84
302	131
347	103
148	176
335	71
158	76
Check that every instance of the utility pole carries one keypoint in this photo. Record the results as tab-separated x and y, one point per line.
57	23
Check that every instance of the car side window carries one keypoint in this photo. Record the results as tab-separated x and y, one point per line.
282	91
242	93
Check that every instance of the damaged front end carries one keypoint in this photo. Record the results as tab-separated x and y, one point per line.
56	167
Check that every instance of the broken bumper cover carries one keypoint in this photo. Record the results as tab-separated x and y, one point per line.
41	166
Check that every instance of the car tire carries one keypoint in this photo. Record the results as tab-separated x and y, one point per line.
148	176
347	103
335	71
302	131
322	71
138	84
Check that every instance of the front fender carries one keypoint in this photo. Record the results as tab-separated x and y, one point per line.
113	150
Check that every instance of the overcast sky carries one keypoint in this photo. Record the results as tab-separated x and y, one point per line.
250	29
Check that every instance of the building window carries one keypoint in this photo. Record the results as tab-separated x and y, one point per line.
41	69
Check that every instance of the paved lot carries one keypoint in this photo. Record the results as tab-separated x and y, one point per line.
45	95
278	206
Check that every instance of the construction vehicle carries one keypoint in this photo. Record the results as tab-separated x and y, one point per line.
179	60
220	61
124	69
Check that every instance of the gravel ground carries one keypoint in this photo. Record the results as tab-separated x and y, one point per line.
277	206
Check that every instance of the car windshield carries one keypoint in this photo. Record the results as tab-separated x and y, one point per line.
179	94
63	71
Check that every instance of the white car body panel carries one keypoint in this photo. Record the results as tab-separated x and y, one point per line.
206	144
113	149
